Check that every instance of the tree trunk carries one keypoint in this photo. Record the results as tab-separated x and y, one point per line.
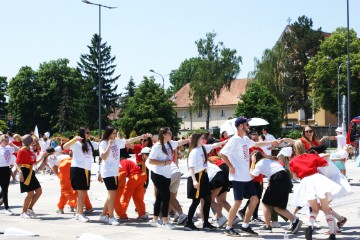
207	118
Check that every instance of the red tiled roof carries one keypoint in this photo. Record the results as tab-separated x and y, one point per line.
226	97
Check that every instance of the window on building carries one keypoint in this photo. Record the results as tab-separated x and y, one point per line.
184	114
222	114
199	113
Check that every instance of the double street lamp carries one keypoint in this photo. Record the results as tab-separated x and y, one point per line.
163	79
99	57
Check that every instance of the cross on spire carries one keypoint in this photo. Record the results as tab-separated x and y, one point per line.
289	20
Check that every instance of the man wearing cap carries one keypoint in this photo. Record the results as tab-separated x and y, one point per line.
236	155
134	187
340	138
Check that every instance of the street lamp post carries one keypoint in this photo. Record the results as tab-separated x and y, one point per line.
163	79
338	94
99	56
348	67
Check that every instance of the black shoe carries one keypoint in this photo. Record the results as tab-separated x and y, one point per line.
208	227
257	220
248	230
332	236
265	228
342	222
231	232
308	233
191	227
295	227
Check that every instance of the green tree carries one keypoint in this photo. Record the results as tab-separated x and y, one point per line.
88	66
258	101
217	67
3	88
149	110
184	74
301	43
22	102
322	71
130	92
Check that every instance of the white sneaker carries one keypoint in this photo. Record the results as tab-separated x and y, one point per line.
113	221
25	215
169	226
83	218
31	213
275	225
236	220
182	218
104	219
8	212
221	221
154	223
77	216
144	217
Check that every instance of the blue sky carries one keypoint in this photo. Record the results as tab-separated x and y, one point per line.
155	34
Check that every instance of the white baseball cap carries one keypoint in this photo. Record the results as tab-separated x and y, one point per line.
145	150
47	134
339	129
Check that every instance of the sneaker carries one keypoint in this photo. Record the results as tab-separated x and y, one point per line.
191	227
169	226
231	232
60	211
154	223
124	219
8	212
332	237
208	227
176	217
83	218
342	222
77	216
257	220
242	215
144	217
275	225
25	215
182	218
104	219
72	209
295	227
87	211
31	213
248	230
221	221
308	233
266	229
113	221
236	220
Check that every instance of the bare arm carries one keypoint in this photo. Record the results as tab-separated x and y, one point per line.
71	142
219	144
265	143
192	174
227	161
131	140
183	142
105	154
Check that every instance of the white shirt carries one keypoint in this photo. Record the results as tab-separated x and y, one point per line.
157	154
268	137
237	151
341	141
330	170
267	167
196	158
44	144
82	159
339	154
212	170
6	156
53	160
174	168
110	165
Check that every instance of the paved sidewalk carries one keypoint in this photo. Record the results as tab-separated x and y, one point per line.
50	225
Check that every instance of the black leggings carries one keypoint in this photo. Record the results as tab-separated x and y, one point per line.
5	173
206	209
162	201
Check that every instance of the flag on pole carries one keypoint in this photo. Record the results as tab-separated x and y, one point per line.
36	131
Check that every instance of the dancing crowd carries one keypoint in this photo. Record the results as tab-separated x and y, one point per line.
238	163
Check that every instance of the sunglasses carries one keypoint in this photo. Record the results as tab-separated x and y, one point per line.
87	132
309	131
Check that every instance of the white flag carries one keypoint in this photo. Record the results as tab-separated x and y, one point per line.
36	131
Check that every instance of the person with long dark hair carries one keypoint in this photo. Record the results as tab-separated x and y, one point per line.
159	162
109	150
80	170
198	185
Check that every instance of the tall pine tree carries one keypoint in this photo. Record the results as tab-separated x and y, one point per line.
3	87
88	66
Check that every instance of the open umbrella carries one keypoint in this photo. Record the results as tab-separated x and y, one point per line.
228	126
257	122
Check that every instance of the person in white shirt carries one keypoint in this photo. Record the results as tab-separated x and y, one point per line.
236	155
277	192
340	138
267	137
339	157
198	185
159	162
80	170
7	159
109	150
